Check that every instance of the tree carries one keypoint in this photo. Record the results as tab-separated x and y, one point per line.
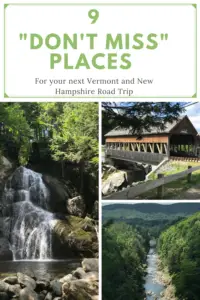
139	115
15	127
74	129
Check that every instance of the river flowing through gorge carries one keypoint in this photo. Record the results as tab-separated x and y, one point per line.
153	287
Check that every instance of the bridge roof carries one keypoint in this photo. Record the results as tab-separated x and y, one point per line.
169	127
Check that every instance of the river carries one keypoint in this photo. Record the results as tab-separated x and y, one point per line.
153	288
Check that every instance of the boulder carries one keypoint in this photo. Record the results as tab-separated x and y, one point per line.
66	278
90	264
14	290
60	191
49	296
95	211
28	294
76	206
114	182
4	286
79	273
80	289
56	287
70	238
11	280
42	295
91	276
26	281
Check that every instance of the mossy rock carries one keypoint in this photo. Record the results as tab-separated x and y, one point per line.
70	234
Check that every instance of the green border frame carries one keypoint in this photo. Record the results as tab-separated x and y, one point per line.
101	4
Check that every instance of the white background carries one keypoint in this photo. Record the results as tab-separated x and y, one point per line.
51	99
171	65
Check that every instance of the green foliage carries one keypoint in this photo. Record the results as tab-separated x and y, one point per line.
75	130
71	128
16	127
179	249
124	252
140	115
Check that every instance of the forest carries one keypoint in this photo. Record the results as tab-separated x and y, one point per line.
124	251
179	249
127	241
55	135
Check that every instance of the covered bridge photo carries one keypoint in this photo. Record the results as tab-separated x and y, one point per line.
178	139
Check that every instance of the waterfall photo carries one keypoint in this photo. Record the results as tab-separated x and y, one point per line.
49	200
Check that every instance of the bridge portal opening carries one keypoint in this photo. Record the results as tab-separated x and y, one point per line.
183	145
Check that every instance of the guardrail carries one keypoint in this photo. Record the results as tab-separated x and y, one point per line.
145	157
185	158
134	191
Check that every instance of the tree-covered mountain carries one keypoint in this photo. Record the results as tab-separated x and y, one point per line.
124	250
149	211
155	207
179	250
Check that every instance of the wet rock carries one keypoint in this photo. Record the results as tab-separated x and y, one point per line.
3	286
80	288
79	273
66	278
76	206
56	287
14	290
28	294
95	210
42	295
59	191
91	276
11	280
71	239
26	281
49	296
90	264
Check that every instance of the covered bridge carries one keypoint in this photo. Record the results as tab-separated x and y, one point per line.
178	139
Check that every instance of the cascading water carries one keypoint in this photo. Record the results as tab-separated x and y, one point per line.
28	223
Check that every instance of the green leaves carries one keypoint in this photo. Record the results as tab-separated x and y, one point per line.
123	255
179	248
75	131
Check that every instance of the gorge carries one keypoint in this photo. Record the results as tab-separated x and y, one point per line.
155	247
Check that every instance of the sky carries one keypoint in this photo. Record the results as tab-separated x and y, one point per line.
193	112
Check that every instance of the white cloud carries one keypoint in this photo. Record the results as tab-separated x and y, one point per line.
193	112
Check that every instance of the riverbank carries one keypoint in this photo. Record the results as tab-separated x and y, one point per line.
163	277
80	284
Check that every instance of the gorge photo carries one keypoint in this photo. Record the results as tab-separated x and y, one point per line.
49	200
151	250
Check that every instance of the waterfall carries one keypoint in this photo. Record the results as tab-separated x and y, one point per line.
28	223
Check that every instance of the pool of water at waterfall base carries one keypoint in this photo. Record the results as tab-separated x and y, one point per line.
54	268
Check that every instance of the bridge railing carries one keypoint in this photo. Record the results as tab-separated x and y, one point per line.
134	191
136	156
